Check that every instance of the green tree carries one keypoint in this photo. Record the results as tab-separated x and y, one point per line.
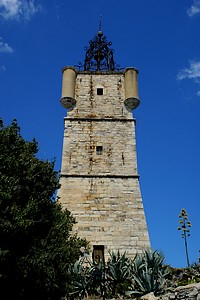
185	224
36	244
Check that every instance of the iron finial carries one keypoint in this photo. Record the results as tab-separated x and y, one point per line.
100	23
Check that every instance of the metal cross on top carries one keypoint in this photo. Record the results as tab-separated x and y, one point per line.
99	57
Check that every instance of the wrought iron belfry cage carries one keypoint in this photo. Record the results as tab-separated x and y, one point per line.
99	57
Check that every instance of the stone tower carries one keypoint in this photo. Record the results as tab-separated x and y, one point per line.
99	175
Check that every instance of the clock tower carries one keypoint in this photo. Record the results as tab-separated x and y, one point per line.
99	174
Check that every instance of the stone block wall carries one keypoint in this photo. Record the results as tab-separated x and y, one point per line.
109	212
99	176
91	105
117	139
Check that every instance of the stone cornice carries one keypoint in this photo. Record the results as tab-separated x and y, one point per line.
100	176
100	119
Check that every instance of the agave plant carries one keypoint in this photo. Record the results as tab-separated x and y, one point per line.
118	272
149	273
81	279
87	279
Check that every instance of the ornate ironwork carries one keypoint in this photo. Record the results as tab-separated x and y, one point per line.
99	57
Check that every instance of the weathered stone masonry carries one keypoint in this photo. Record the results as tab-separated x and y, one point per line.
99	176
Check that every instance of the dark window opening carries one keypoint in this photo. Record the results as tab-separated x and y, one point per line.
99	150
100	91
98	254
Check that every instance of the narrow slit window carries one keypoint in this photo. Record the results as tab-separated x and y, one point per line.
100	91
99	150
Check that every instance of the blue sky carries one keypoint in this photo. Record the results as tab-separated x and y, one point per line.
161	39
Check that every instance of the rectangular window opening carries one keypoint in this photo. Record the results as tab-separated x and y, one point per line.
98	254
100	91
99	150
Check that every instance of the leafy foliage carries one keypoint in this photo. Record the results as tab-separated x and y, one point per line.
149	272
81	279
118	272
183	276
36	245
120	276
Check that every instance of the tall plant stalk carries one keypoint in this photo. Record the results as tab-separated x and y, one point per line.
185	224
